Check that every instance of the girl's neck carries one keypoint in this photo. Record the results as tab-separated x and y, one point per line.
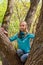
25	32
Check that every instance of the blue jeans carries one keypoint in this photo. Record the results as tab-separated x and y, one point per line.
23	56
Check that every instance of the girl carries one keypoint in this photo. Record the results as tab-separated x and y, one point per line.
23	39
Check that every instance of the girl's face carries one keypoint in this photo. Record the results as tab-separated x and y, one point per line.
23	26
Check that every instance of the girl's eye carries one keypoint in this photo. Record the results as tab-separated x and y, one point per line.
22	25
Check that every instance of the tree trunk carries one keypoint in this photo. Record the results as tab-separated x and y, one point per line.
31	13
7	49
8	14
36	53
5	23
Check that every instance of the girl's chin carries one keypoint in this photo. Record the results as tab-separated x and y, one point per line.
22	30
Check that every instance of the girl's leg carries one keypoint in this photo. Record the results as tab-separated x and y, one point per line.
19	52
24	57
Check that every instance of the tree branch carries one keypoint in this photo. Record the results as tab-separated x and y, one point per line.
8	50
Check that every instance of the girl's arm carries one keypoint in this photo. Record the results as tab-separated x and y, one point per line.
13	38
29	36
32	36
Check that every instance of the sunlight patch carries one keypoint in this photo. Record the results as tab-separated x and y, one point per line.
1	1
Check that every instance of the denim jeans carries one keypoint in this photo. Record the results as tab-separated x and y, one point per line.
23	56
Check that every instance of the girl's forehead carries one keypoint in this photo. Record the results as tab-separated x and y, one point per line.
23	23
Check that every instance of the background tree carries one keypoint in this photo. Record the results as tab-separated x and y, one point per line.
8	14
36	54
30	15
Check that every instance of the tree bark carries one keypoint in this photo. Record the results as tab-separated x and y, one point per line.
8	14
31	13
36	53
5	23
7	49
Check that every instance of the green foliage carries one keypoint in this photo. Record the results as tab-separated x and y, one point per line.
3	6
13	27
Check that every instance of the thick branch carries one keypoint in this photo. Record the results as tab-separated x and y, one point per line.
7	49
30	15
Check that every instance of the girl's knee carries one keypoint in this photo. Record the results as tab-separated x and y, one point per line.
19	52
24	57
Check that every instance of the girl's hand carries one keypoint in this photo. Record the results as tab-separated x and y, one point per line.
5	32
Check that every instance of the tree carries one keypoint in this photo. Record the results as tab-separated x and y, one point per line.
8	14
6	21
30	14
36	54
